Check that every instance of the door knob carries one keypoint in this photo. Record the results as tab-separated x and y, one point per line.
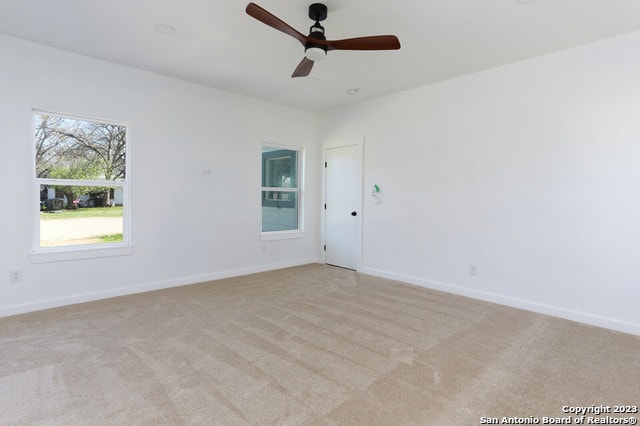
354	214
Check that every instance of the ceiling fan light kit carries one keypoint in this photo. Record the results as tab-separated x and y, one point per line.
316	45
315	53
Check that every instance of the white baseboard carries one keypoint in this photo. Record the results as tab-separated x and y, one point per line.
142	288
556	311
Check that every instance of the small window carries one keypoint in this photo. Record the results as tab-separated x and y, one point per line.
81	179
281	191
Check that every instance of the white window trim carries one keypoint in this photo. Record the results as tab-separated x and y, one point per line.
294	233
40	254
281	235
79	252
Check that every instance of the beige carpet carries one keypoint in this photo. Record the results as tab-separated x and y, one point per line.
305	345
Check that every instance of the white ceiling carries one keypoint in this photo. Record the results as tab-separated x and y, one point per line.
217	44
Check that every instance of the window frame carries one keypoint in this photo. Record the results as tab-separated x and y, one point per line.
41	254
298	190
275	155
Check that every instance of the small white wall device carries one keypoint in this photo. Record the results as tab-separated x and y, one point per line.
375	193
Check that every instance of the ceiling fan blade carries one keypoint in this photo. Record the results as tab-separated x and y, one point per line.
273	21
303	69
382	42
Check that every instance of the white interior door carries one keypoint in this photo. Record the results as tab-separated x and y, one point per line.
343	205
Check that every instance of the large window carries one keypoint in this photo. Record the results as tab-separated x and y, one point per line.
281	188
81	180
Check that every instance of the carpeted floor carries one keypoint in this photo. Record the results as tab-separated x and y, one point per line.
306	345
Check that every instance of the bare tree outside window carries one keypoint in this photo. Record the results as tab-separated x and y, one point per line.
79	150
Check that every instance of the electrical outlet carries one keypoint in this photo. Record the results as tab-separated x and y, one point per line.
15	276
473	270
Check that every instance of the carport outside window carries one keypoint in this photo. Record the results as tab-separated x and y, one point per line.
81	181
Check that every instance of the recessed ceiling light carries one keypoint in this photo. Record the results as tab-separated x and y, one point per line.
164	29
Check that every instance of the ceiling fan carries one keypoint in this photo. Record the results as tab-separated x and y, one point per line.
315	44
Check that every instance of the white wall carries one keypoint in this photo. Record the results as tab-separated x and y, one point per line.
531	172
186	227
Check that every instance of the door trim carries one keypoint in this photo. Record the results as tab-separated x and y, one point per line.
341	143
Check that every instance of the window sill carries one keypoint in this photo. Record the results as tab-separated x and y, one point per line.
77	253
281	235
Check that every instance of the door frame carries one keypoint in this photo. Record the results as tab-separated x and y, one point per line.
357	141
